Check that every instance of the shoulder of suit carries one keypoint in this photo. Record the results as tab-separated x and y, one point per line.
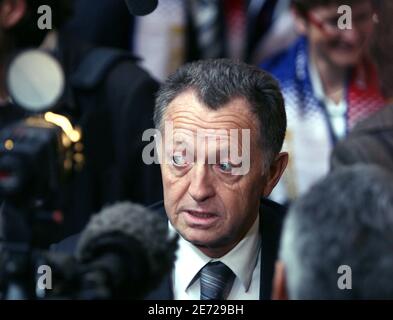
272	216
272	206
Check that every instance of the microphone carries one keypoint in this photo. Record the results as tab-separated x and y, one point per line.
141	7
127	249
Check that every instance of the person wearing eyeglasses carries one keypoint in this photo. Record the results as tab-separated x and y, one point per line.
329	84
371	141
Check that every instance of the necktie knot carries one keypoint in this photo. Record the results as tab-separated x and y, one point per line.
216	281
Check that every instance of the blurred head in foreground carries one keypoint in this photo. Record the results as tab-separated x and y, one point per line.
337	239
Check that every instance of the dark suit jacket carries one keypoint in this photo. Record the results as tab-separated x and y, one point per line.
271	218
370	142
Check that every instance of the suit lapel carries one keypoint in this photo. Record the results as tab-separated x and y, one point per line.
271	218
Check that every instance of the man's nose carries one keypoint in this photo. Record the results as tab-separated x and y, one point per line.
201	186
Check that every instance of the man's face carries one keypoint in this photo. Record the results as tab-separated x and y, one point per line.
205	202
343	48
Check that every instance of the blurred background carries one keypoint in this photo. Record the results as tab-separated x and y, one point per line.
332	78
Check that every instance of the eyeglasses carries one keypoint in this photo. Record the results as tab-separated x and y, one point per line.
331	26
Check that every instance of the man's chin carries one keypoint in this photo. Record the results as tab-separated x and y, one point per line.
200	238
211	244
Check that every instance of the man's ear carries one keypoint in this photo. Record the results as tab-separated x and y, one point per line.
275	172
11	12
279	283
300	22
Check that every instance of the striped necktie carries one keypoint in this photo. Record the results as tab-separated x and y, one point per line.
216	281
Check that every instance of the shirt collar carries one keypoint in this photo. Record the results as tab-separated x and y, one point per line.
242	259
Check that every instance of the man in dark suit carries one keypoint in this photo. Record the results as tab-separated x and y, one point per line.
214	193
206	112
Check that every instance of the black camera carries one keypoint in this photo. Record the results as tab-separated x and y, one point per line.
36	156
40	152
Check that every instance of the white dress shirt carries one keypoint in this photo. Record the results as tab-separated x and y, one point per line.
244	260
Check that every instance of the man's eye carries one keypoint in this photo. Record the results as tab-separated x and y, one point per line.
225	166
179	160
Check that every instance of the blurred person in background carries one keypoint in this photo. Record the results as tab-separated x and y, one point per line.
183	31
329	83
337	239
106	93
107	23
371	141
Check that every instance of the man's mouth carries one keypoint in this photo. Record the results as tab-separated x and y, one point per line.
199	218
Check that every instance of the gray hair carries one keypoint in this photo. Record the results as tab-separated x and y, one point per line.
217	81
346	219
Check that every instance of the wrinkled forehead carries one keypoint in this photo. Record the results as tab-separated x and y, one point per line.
187	113
181	134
